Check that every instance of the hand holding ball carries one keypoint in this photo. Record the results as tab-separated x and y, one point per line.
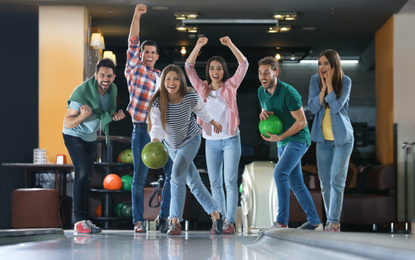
272	125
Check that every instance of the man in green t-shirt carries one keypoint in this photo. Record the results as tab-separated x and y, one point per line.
280	99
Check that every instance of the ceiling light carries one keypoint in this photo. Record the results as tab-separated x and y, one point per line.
271	22
160	8
185	15
184	28
183	51
341	61
278	29
285	15
308	28
277	56
292	57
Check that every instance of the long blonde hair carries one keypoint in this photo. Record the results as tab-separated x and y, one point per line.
334	59
163	94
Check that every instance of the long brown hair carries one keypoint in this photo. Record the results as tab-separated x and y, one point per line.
163	94
334	59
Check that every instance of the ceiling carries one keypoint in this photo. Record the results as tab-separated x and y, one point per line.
347	26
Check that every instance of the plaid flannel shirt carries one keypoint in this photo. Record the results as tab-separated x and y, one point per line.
141	82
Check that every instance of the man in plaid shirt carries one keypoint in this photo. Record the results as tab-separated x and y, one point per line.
143	80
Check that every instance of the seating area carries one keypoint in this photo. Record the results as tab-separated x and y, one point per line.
374	201
370	198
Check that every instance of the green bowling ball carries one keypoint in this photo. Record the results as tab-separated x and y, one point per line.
117	209
127	210
154	155
126	156
272	125
127	182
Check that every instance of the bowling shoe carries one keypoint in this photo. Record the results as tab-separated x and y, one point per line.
162	224
139	227
308	226
175	229
332	228
86	227
228	228
217	225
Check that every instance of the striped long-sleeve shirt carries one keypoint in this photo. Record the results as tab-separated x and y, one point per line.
181	125
142	82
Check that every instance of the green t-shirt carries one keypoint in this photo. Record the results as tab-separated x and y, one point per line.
284	100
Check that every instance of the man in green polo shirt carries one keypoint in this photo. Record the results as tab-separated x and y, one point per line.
280	99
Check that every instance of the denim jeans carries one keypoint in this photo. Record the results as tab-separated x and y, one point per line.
184	171
333	164
140	138
288	175
83	155
223	156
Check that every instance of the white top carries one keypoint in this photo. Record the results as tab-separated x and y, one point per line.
220	112
181	125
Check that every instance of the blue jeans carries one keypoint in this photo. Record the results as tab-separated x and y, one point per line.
333	164
223	156
288	175
83	155
140	138
184	171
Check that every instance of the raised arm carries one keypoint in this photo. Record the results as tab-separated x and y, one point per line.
135	24
199	44
238	54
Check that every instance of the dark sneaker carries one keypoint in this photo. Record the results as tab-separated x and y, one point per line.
228	228
162	224
86	227
174	229
217	225
308	226
330	227
139	227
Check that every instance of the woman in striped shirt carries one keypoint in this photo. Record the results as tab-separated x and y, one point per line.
171	118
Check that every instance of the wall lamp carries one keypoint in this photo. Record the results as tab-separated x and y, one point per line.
110	55
97	41
96	44
285	15
184	15
279	29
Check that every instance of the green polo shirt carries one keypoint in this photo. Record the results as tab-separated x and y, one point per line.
284	100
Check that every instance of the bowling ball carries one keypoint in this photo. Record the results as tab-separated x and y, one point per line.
126	156
126	210
272	125
154	155
112	182
98	210
127	182
117	209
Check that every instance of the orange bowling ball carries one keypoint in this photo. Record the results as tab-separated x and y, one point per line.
98	210
112	182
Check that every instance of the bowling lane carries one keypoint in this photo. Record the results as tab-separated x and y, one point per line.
273	244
